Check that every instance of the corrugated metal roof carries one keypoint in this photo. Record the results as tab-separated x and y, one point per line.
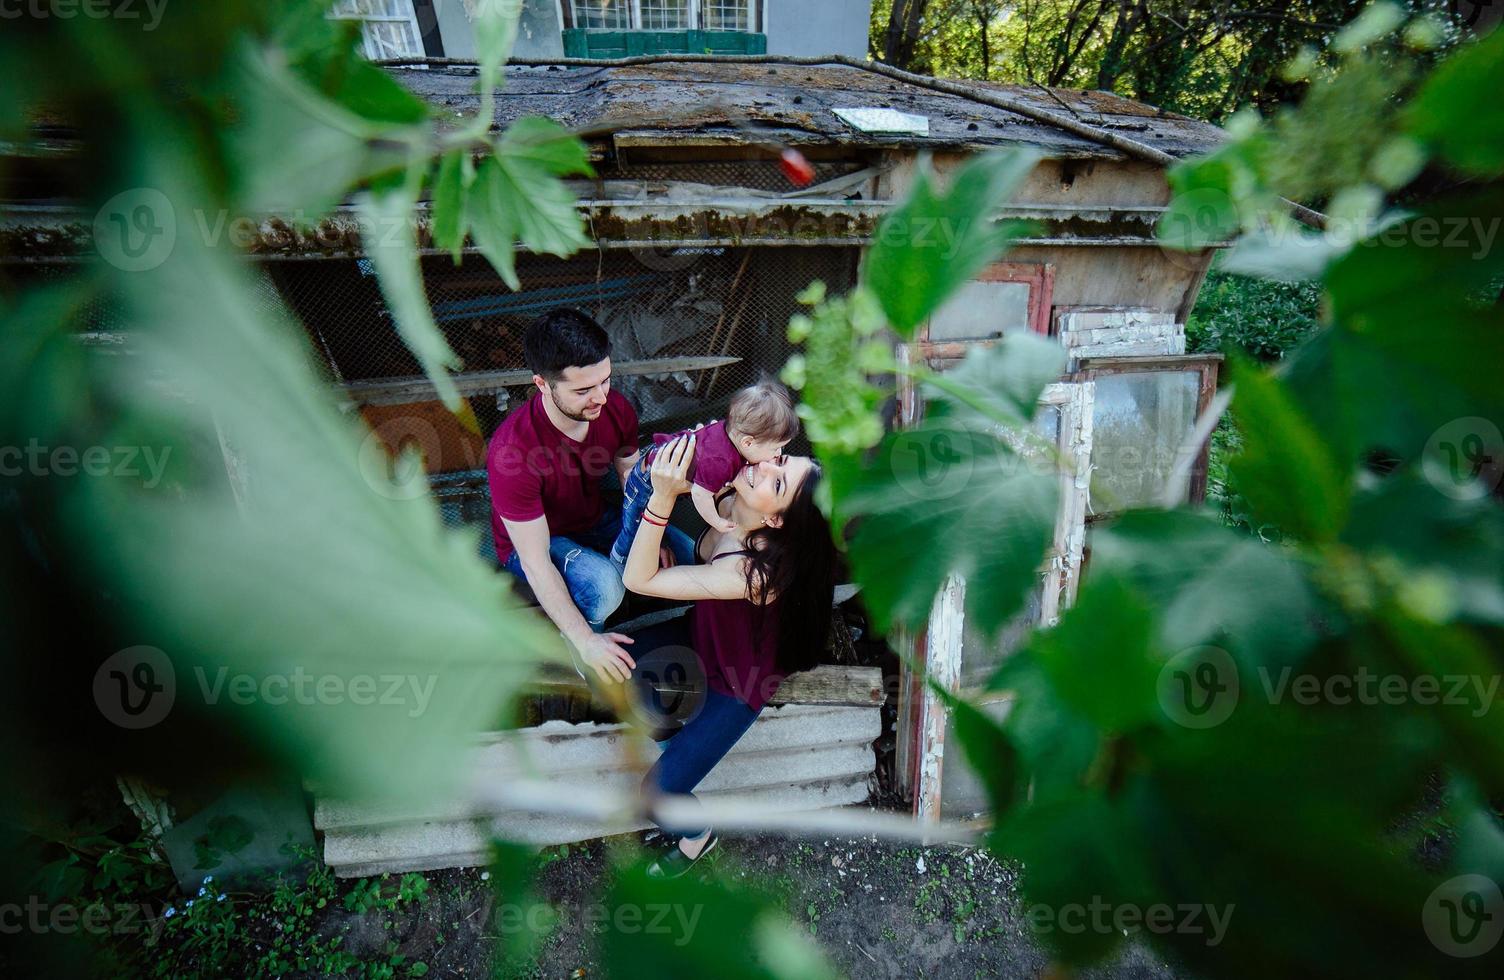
675	101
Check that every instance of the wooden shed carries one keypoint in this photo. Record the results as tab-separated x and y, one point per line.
702	243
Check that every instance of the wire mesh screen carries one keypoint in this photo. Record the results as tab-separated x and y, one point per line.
764	175
682	309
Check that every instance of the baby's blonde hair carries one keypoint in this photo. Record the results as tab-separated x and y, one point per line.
764	411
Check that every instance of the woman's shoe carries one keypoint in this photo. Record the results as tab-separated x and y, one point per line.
674	862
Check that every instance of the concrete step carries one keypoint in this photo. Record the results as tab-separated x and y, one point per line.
797	756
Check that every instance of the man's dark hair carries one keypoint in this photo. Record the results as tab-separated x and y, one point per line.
563	338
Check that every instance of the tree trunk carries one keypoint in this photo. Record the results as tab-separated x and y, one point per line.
903	32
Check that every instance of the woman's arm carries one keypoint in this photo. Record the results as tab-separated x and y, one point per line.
722	580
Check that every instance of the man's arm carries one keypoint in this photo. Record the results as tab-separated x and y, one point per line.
602	651
624	465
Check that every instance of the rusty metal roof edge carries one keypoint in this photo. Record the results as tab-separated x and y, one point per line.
42	233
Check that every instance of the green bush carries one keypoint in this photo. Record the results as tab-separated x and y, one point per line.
1263	318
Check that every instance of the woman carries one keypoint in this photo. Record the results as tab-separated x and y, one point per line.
762	594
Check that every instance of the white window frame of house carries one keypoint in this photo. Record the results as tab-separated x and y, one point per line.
755	23
350	11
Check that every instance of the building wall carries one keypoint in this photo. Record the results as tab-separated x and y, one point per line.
803	28
538	32
794	27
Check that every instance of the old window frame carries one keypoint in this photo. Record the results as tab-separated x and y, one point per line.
922	715
347	10
756	13
1206	365
1040	278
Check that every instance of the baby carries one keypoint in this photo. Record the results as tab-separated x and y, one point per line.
759	423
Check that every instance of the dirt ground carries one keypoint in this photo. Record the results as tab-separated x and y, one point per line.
877	908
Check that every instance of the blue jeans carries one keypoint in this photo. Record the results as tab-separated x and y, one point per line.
594	583
711	731
635	494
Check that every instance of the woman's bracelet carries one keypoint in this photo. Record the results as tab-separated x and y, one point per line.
649	510
650	520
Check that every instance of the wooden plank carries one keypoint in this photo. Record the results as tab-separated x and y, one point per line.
403	391
826	684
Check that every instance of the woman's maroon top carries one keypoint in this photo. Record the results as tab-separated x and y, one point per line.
737	640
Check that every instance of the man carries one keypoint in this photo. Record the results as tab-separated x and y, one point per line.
545	463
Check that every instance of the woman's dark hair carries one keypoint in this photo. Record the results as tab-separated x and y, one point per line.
796	563
563	338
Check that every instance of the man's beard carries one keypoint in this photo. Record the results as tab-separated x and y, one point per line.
581	417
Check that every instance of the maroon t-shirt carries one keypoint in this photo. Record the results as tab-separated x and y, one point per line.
716	457
536	470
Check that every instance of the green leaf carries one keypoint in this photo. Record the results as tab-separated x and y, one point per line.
1212	585
1287	470
537	142
1202	211
949	488
393	249
1056	744
294	150
1000	383
1456	110
708	917
965	475
1113	684
1456	543
495	33
517	195
448	226
936	240
317	565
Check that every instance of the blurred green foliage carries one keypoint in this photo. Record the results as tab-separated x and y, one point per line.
1145	761
1152	755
